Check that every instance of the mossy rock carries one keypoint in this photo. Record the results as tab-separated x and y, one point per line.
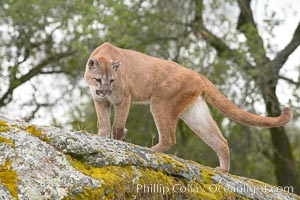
39	162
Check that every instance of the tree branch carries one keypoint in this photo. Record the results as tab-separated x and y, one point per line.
16	82
223	50
38	105
283	55
44	63
246	25
37	108
242	20
52	72
297	84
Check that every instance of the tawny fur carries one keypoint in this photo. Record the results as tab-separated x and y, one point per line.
118	77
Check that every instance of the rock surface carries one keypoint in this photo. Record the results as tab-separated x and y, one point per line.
38	162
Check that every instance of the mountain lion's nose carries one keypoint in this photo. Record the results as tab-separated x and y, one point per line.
103	92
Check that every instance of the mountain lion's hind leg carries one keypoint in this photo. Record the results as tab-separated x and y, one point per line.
198	118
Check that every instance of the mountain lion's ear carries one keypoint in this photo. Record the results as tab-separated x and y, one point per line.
93	63
116	64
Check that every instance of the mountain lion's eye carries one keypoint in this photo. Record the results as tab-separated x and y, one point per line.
98	80
111	81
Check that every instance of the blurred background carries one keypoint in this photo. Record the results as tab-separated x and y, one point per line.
248	48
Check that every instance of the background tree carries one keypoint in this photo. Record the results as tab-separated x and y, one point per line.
219	39
41	39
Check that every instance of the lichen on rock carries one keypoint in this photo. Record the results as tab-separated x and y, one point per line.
8	178
36	169
38	162
3	126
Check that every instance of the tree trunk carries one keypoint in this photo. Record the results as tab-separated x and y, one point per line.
283	160
285	170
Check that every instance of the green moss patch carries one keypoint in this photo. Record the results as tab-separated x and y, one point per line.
36	132
4	126
177	166
3	123
206	174
6	140
127	182
8	178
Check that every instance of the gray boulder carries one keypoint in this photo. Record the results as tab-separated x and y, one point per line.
42	162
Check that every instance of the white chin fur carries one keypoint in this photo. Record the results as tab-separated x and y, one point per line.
97	97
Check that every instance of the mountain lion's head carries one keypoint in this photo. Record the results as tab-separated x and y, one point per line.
101	74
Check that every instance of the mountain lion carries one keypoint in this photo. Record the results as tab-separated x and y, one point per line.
118	77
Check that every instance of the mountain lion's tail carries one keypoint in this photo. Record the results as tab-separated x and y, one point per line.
222	103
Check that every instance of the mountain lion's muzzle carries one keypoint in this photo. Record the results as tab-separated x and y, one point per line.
103	93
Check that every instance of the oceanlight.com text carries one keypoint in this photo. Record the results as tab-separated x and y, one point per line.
212	188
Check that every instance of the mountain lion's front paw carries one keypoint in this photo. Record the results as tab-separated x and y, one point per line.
221	169
119	133
104	133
